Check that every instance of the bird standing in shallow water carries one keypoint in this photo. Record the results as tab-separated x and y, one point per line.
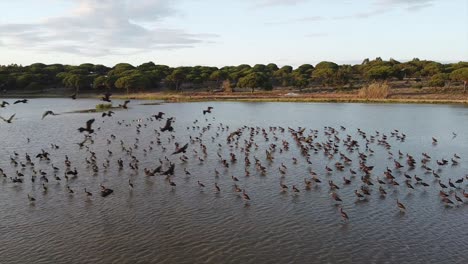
344	215
401	206
245	196
31	199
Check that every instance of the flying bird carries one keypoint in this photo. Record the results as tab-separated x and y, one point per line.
9	119
24	101
46	113
168	126
106	97
124	106
159	115
3	104
181	150
88	128
208	110
109	114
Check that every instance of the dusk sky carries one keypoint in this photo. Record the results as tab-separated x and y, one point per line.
219	32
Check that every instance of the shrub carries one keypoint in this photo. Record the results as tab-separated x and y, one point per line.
103	106
438	80
375	91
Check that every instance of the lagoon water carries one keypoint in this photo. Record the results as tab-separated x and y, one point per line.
155	223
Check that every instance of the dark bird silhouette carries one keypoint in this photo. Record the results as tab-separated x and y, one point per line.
106	97
344	215
9	119
181	150
169	171
3	104
442	185
105	191
88	128
401	206
88	193
245	196
109	114
358	194
208	110
73	96
31	199
24	101
159	116
168	126
46	113
124	106
336	197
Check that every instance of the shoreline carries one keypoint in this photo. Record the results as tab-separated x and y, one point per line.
275	96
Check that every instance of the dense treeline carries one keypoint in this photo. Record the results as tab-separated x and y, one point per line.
150	76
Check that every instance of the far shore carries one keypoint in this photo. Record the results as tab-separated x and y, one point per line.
404	95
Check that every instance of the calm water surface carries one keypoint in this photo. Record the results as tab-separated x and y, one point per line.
154	223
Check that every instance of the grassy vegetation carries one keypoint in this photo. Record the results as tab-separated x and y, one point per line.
425	96
374	91
103	107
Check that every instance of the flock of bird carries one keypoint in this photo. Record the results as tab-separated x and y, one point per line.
344	154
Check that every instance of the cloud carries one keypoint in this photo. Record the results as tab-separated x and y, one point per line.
384	6
296	20
411	5
267	3
103	27
366	14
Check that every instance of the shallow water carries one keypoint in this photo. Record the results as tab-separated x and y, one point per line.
155	223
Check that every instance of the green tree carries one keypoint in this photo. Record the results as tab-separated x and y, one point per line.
325	72
432	68
133	82
100	82
299	80
379	73
343	75
272	67
218	76
438	80
147	66
75	81
176	78
120	68
255	80
283	76
460	75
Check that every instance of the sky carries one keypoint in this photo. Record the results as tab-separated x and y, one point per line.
221	32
